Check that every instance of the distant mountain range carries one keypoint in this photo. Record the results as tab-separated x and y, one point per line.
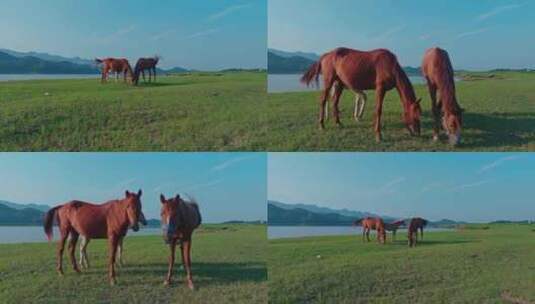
18	216
282	62
282	214
14	62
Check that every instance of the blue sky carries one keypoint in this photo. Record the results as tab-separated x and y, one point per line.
228	186
478	35
475	187
204	35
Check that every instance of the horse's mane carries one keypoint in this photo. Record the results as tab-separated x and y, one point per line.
447	80
403	83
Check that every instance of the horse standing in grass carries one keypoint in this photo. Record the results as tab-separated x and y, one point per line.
179	220
145	64
393	227
415	224
358	71
372	223
438	72
84	241
110	220
117	66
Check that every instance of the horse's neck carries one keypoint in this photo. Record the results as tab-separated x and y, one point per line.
448	99
404	86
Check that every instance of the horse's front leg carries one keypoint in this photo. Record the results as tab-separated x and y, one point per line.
435	109
154	71
379	97
362	104
112	249
172	247
186	258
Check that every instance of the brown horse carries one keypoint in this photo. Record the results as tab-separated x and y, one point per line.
84	241
438	72
110	220
372	223
415	224
117	66
358	71
179	220
145	64
393	227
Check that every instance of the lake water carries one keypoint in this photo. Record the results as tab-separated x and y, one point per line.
18	77
278	83
277	232
34	234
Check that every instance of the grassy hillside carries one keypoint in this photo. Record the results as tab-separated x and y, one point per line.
500	116
228	263
194	112
474	265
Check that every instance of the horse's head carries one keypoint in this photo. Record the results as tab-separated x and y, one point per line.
133	209
171	216
452	123
412	115
357	222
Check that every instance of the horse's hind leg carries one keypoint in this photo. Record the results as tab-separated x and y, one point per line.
186	258
154	71
84	260
328	81
72	248
360	105
172	248
338	89
112	249
59	251
119	257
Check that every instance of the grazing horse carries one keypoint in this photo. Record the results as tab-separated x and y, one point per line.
358	71
415	224
110	220
84	241
360	102
372	223
393	227
115	65
438	72
179	219
145	64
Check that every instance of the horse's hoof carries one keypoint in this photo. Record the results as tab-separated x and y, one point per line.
60	273
190	286
435	138
113	282
166	283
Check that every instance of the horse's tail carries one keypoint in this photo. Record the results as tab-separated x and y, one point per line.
313	73
48	221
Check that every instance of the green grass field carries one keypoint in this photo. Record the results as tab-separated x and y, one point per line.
499	116
494	265
197	112
228	266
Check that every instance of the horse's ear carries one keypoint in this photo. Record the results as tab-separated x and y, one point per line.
162	199
139	193
177	197
127	193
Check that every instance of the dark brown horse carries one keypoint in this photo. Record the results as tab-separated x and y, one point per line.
372	223
145	64
84	241
415	224
438	72
179	220
358	71
115	65
110	220
393	227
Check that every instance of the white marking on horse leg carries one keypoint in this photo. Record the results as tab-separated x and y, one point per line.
363	104
356	110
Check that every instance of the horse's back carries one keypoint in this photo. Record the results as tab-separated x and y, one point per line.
194	215
436	65
86	218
